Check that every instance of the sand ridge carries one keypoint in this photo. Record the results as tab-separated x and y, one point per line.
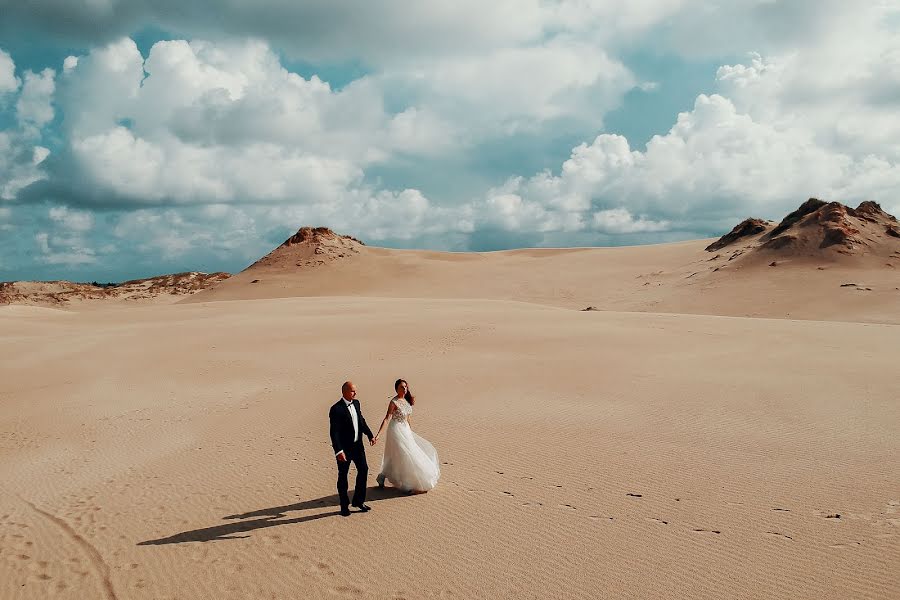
825	261
677	278
68	294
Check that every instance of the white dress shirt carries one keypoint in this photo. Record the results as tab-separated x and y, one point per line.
355	418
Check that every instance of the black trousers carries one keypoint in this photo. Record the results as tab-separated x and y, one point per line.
356	455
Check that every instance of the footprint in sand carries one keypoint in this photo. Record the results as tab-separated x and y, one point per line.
780	534
634	495
348	591
322	569
655	520
701	530
828	515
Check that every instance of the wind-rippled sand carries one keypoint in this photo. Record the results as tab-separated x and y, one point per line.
182	452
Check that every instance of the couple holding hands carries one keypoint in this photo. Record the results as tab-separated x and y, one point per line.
410	463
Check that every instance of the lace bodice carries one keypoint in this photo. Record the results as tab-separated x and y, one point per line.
402	410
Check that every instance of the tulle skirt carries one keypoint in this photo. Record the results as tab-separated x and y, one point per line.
410	462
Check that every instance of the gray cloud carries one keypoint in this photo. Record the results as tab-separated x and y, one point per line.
397	31
312	29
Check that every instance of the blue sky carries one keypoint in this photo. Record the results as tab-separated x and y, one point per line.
139	139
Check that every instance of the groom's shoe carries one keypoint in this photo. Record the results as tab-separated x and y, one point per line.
345	512
362	507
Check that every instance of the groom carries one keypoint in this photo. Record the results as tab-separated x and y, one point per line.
347	425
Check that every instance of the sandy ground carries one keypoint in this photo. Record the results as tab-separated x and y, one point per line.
181	451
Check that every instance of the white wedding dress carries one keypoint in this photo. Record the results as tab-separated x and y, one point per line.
410	462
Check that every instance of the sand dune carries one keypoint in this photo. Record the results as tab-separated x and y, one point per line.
654	448
738	280
68	294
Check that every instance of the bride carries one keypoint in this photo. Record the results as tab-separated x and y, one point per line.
410	462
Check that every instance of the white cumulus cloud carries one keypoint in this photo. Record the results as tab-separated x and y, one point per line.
73	220
61	250
715	165
619	220
21	152
34	108
20	162
511	89
8	80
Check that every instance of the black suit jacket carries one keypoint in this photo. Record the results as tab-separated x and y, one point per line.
342	437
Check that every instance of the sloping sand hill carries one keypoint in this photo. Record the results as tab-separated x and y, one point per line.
162	288
779	271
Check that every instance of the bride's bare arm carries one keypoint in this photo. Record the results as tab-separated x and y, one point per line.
390	409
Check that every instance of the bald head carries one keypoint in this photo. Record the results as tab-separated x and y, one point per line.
348	390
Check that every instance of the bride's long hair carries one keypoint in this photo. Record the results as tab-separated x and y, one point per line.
409	397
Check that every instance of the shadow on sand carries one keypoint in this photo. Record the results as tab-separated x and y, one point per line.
268	517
